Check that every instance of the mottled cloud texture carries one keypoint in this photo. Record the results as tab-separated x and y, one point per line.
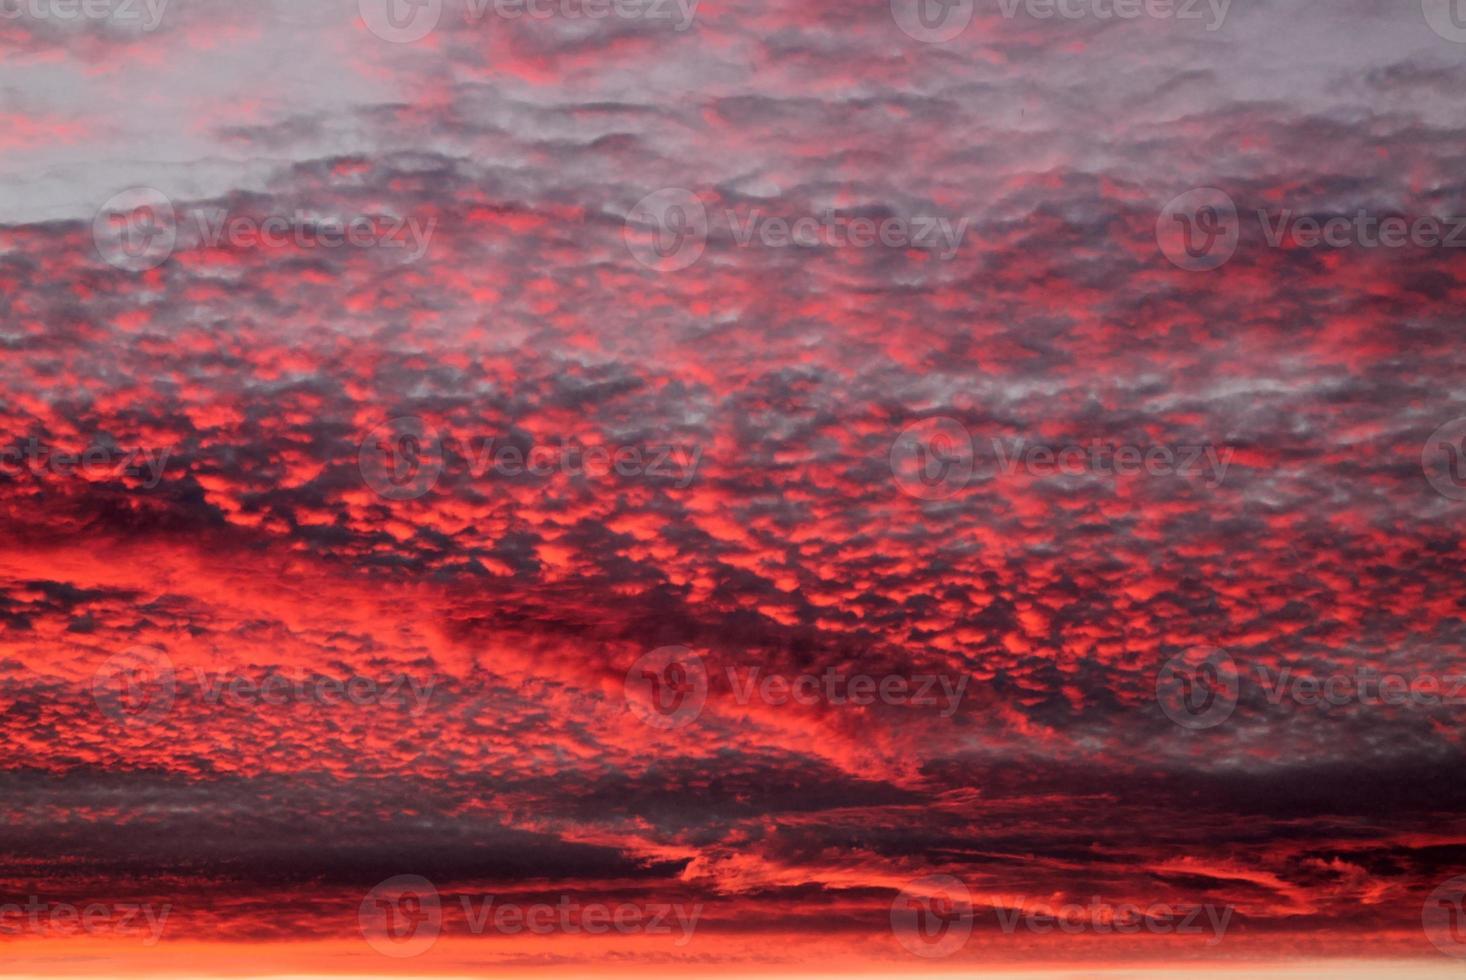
482	367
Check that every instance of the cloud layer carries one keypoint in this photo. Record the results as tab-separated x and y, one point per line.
606	456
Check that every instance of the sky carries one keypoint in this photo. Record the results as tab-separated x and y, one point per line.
569	488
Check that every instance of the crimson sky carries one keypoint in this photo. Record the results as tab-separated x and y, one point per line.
832	453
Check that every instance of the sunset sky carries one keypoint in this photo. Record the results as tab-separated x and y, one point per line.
749	488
